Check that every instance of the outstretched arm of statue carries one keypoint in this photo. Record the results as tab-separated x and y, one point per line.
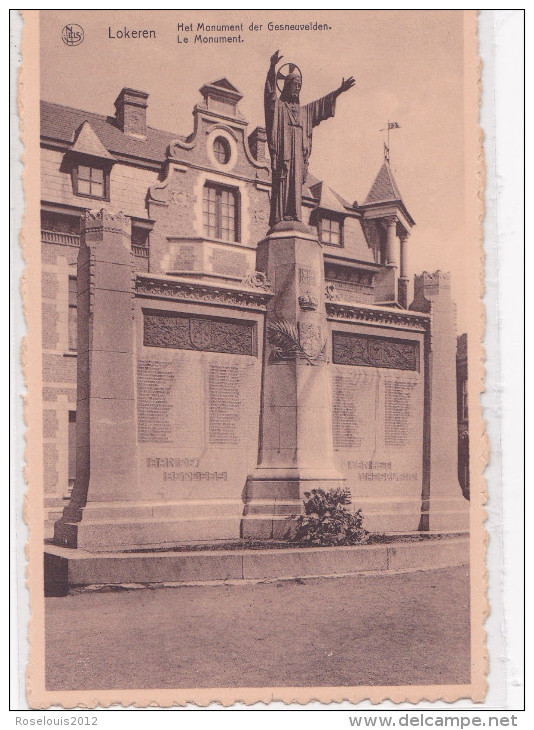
270	83
275	59
270	93
346	84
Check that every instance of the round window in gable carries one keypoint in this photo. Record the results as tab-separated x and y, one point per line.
221	150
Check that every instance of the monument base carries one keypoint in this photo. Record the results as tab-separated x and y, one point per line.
445	514
274	498
137	525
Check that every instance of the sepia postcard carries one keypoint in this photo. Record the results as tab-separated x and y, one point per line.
253	294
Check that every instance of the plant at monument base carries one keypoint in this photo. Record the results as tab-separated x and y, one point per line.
327	521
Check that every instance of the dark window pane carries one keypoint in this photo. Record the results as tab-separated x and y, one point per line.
73	291
73	328
140	236
60	223
72	445
73	313
221	150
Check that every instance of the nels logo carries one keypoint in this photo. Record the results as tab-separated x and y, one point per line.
72	34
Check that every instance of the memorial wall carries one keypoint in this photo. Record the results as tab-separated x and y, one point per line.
378	416
198	392
198	384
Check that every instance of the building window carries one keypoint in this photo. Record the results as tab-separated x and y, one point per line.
60	223
220	216
140	241
60	228
221	150
140	236
72	449
91	182
331	231
73	313
464	414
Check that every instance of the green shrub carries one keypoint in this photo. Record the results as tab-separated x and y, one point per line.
327	521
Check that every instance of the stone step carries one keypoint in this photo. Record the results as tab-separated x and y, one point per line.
65	568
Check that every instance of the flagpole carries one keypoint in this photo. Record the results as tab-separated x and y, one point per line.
390	126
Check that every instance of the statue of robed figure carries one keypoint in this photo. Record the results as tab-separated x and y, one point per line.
289	134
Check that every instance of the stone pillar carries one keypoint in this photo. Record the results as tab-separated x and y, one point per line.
385	281
444	507
106	463
391	242
403	279
296	445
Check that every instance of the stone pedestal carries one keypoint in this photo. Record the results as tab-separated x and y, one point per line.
106	463
295	448
444	507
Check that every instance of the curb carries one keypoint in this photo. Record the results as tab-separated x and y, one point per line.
66	568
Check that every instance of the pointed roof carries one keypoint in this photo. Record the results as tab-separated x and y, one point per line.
384	188
86	142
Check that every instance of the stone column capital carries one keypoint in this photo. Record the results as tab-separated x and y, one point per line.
404	236
390	220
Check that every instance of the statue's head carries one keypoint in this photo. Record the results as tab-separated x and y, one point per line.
292	86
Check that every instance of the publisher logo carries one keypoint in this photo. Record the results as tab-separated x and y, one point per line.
72	34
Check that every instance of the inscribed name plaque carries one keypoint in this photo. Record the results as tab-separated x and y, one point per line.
198	381
224	404
378	396
400	428
355	404
165	403
155	382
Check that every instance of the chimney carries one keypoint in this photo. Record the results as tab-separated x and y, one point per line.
257	141
130	112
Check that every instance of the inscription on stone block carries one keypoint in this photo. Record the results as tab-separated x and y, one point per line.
194	476
180	331
224	388
155	381
350	348
228	263
308	287
399	413
354	411
307	277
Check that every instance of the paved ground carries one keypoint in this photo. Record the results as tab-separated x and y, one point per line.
410	628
